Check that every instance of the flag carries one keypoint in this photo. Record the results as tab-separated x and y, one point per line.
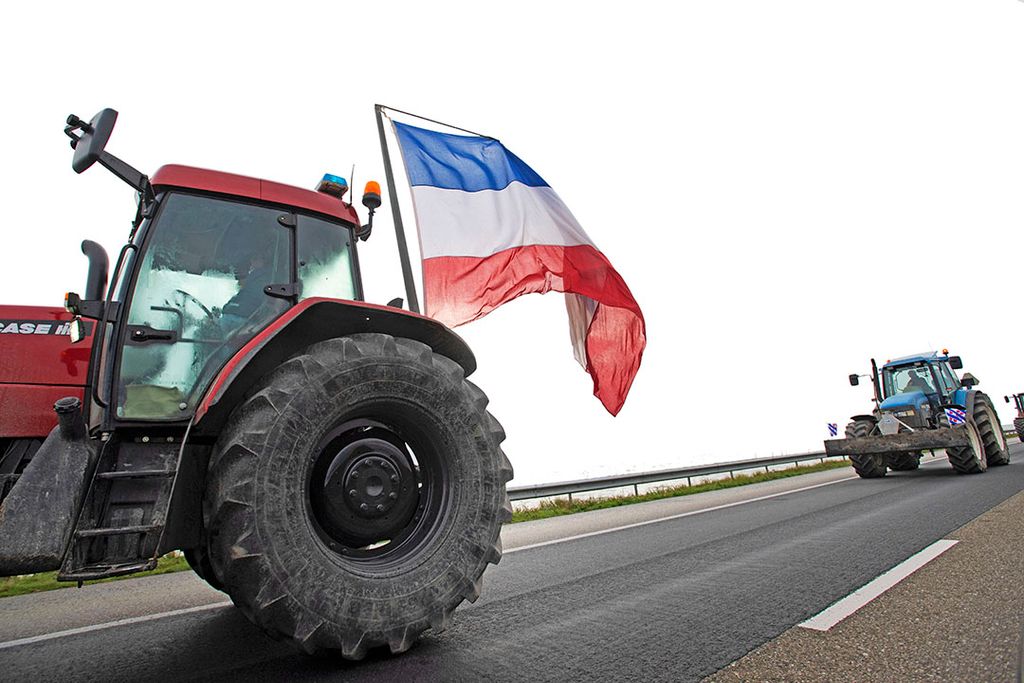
492	230
956	416
833	428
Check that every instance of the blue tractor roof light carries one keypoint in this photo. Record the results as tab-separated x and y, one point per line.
334	185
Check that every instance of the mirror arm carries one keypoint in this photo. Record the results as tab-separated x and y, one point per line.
136	179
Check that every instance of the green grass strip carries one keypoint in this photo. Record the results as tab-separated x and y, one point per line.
46	581
564	506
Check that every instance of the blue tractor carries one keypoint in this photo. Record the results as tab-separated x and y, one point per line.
921	405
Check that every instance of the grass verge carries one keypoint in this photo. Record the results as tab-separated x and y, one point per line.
564	506
47	581
34	583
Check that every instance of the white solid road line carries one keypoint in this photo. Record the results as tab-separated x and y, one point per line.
111	624
671	517
838	611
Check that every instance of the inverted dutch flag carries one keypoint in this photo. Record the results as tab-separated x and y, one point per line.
492	230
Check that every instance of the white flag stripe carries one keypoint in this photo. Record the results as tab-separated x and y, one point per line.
486	222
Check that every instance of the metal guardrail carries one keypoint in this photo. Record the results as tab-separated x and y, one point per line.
635	480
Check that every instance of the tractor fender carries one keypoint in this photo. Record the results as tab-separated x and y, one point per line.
869	418
963	399
309	322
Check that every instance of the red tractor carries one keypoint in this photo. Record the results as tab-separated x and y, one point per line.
1018	422
322	460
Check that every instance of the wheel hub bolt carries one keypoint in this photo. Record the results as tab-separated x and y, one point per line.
393	496
380	508
364	507
353	493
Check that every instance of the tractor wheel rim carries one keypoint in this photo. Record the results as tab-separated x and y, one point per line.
372	494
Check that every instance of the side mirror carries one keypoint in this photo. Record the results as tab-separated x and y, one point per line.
854	380
956	363
90	144
968	380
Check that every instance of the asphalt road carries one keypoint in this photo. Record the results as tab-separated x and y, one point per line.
661	600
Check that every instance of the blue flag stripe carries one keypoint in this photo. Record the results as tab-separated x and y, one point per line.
460	162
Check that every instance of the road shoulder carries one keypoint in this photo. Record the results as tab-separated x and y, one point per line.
958	618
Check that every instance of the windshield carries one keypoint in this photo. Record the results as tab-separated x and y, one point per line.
907	378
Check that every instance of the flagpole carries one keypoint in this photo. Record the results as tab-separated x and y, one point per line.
403	248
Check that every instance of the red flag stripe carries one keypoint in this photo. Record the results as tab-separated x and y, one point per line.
459	289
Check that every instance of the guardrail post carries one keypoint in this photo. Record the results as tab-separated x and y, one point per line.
636	491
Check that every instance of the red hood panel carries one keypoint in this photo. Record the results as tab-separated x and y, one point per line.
35	348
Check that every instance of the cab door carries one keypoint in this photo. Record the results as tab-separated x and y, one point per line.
213	273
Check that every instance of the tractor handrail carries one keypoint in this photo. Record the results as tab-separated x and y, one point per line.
635	479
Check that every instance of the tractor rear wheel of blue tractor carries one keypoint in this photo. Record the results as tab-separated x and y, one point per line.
867	465
904	461
996	451
969	459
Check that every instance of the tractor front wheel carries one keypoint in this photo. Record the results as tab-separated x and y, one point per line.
356	497
867	465
969	459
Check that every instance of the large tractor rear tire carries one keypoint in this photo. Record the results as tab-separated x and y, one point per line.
991	431
969	459
1018	424
868	466
904	461
356	497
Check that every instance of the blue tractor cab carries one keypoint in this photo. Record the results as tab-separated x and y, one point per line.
917	387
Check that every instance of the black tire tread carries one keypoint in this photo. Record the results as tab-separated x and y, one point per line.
904	461
231	517
991	431
867	466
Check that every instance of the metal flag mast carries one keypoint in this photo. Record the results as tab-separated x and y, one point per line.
403	247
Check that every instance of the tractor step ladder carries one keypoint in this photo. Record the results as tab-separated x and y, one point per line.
124	514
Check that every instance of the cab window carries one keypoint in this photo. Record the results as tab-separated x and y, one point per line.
325	259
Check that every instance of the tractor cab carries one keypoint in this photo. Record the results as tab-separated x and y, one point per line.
915	388
207	273
213	259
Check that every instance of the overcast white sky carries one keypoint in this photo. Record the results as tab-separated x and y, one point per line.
789	188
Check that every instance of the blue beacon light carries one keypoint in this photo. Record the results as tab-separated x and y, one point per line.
333	185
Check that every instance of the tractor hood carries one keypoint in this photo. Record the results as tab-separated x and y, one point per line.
35	348
911	399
